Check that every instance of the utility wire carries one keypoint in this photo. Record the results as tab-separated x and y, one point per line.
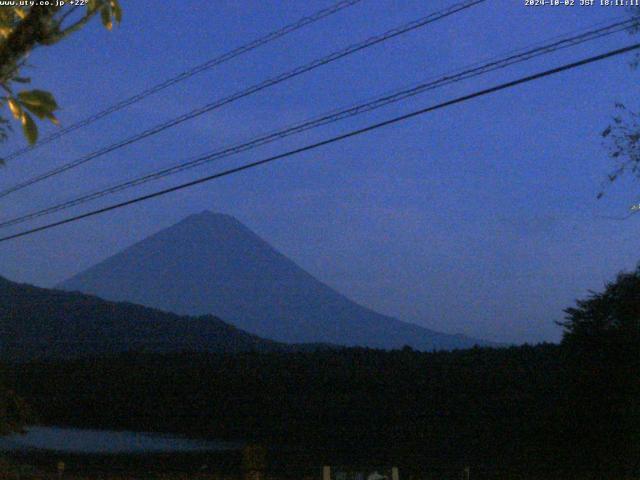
334	116
214	62
331	140
249	91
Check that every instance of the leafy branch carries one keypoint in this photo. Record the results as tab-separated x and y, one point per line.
22	29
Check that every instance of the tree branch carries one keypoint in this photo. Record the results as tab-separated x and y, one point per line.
34	29
60	34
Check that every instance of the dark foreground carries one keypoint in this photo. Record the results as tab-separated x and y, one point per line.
507	413
227	466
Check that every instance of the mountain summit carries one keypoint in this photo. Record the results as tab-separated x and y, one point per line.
212	264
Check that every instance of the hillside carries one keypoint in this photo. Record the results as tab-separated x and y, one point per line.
212	264
39	323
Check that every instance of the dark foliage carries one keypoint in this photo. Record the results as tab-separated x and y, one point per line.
546	411
486	407
601	355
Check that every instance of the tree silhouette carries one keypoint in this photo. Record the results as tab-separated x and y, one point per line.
602	364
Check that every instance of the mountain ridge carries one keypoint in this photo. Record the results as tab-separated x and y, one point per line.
44	324
210	263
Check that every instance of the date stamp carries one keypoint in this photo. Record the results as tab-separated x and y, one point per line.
582	3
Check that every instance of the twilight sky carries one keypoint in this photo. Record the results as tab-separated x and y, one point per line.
480	219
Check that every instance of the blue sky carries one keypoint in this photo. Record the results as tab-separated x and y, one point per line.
481	218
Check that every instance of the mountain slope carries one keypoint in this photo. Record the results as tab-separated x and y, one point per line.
212	264
38	323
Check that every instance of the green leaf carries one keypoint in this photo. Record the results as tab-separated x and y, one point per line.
105	14
15	108
38	99
40	111
21	79
53	119
117	10
42	114
29	128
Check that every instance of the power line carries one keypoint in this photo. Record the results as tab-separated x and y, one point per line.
214	62
249	91
459	75
335	139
